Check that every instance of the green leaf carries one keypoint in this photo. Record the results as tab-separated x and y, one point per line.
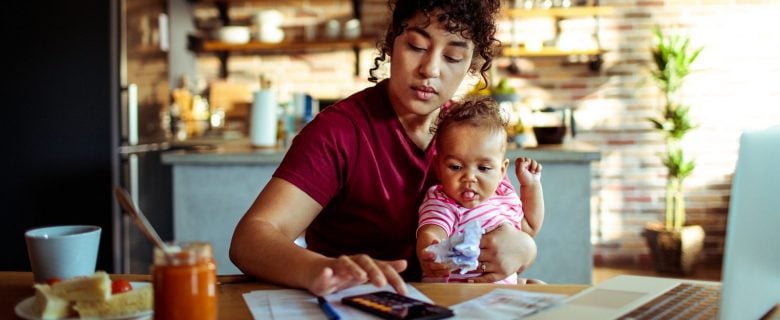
673	58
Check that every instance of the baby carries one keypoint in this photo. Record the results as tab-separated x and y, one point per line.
471	164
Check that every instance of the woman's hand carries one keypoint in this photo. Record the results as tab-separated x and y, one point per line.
348	271
504	251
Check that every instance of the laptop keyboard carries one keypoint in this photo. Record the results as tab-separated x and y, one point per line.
685	301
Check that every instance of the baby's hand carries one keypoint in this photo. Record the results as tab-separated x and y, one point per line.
430	268
528	171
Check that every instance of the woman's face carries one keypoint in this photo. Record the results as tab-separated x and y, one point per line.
471	163
427	65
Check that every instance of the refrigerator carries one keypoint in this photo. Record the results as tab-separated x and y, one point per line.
140	128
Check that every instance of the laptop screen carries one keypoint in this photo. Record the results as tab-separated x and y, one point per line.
751	267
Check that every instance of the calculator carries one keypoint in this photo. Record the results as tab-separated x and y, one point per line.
390	305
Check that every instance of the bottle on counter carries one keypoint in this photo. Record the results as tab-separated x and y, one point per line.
263	121
180	109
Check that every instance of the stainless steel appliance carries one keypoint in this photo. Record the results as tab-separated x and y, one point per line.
139	128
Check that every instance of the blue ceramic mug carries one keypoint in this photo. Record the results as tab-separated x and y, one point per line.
62	251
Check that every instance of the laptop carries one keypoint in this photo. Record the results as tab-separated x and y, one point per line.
750	285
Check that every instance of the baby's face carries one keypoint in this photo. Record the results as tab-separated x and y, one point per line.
471	163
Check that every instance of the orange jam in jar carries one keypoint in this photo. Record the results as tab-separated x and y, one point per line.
185	283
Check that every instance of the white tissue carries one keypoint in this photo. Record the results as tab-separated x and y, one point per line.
460	251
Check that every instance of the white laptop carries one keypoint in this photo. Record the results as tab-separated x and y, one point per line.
751	268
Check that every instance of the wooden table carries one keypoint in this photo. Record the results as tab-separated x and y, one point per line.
16	286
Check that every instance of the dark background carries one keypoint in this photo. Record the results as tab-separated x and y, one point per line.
56	122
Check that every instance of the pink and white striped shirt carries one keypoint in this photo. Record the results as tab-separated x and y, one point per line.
503	207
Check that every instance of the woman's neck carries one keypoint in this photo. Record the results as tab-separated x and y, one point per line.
418	127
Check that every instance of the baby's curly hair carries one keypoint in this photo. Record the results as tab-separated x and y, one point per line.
472	19
477	111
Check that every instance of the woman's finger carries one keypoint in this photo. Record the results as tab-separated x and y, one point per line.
349	266
391	269
327	282
374	273
321	284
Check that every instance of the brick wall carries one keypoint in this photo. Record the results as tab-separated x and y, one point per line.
734	88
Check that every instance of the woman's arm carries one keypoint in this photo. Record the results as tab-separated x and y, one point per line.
263	247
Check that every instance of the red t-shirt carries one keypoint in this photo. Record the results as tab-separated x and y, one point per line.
356	160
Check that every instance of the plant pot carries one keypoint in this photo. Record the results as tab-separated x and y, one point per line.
675	251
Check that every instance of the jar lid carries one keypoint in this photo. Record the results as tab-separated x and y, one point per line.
185	253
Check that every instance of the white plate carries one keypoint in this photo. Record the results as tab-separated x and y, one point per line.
24	309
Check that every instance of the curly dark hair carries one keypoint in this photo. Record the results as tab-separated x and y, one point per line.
472	19
478	111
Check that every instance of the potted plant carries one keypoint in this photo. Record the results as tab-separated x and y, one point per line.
674	245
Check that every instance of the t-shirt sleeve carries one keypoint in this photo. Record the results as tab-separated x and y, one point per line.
505	187
317	159
510	200
434	210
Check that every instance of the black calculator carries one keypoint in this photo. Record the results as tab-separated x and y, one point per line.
390	305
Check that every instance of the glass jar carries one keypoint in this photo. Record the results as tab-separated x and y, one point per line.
185	282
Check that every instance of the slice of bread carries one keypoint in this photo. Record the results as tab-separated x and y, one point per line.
126	303
96	287
48	305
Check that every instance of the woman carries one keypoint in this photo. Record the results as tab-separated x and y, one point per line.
354	176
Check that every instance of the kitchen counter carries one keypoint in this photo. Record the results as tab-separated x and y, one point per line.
215	183
240	152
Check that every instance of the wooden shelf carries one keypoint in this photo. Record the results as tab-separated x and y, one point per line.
256	47
547	52
223	50
261	2
559	12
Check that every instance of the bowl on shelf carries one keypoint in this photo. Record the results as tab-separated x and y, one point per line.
233	34
550	134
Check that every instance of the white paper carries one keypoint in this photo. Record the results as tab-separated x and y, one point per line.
300	304
506	304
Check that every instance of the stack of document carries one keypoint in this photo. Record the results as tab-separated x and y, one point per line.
300	304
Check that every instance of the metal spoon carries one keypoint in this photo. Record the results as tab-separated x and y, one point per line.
140	220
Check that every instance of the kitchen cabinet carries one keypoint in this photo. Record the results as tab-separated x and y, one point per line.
558	14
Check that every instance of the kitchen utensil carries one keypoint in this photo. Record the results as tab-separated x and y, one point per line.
140	220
